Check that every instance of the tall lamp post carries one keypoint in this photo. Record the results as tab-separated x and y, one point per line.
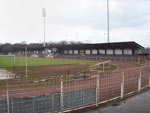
44	16
108	21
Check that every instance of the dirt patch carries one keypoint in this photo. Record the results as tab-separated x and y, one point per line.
124	65
59	70
47	71
105	90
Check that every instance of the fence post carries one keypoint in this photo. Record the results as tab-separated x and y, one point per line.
132	59
97	89
149	80
138	61
109	64
103	66
68	72
7	96
61	95
33	105
139	80
52	103
122	86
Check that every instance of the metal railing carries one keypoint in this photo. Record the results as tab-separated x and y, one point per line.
65	93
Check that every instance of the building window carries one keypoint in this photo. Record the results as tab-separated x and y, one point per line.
94	51
65	51
76	52
88	52
101	51
127	51
70	51
109	52
118	52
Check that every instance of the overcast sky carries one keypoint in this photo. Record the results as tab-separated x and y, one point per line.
75	20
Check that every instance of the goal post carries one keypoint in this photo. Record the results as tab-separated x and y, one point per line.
101	66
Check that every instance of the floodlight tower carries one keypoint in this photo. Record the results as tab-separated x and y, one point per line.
108	21
44	16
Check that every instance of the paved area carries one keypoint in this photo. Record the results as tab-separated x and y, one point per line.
136	104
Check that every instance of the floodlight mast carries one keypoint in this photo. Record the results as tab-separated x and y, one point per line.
108	22
44	16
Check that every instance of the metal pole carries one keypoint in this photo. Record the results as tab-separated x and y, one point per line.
139	80
61	95
97	90
108	21
52	103
103	67
44	16
33	105
14	60
7	96
122	86
44	31
12	106
149	80
68	72
26	61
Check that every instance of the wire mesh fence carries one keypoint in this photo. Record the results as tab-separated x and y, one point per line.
102	57
65	93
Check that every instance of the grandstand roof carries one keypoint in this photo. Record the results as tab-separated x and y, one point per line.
113	45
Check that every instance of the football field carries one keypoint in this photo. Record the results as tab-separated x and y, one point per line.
10	61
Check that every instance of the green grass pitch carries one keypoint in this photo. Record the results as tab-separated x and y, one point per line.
8	61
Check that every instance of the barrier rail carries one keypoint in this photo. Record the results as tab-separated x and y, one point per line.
65	93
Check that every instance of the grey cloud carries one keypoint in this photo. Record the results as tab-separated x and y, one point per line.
129	13
93	18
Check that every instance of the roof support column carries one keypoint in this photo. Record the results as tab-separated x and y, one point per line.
122	51
90	51
105	52
73	52
97	51
113	51
133	52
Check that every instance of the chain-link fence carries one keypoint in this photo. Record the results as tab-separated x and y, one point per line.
65	93
103	57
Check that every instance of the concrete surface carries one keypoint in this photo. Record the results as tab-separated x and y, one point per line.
136	104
